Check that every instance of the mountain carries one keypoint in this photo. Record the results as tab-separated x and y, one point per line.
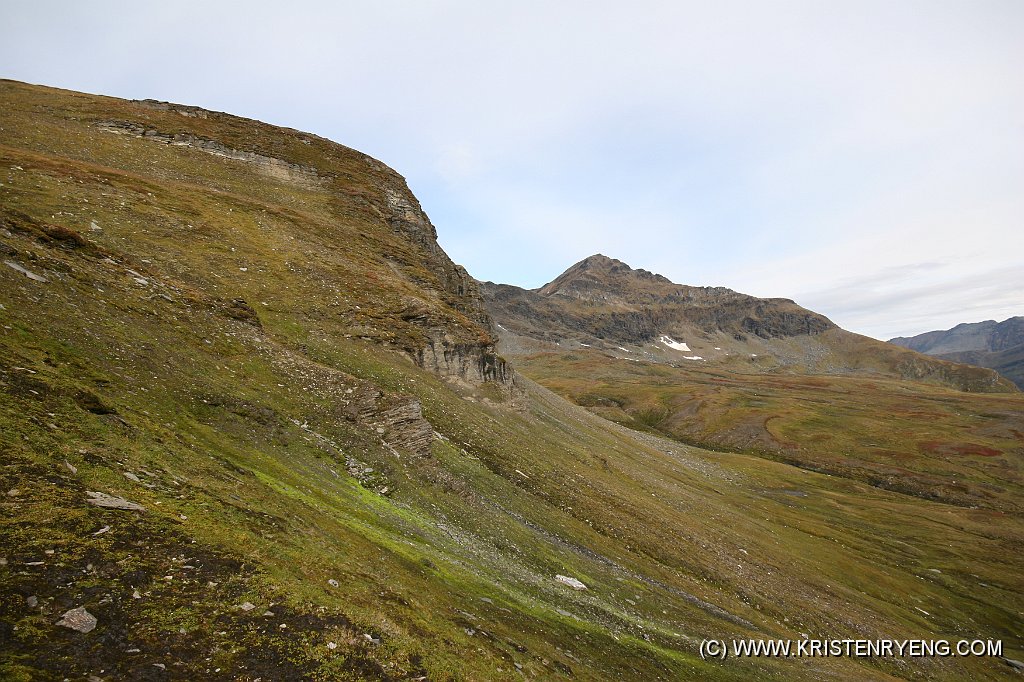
722	370
996	345
254	426
603	298
602	303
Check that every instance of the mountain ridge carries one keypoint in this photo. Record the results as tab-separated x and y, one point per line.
996	345
601	301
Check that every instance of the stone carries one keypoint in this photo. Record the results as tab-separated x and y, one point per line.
111	502
32	601
28	273
247	606
132	477
1015	664
333	583
79	620
571	582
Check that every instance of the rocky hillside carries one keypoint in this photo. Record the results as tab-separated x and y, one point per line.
253	428
602	298
602	303
996	345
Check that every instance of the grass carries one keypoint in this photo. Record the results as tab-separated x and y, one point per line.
242	444
916	438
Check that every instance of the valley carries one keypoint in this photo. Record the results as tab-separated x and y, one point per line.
344	466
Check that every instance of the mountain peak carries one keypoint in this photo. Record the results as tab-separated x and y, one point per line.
599	272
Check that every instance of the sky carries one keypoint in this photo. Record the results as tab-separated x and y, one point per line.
863	158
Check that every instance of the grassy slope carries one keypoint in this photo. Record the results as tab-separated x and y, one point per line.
915	438
237	435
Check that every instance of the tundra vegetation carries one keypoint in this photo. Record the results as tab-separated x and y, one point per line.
253	426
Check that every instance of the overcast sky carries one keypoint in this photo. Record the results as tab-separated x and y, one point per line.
863	158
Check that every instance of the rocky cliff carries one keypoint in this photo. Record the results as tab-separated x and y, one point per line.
369	222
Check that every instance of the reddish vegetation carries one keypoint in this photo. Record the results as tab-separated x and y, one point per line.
941	448
790	445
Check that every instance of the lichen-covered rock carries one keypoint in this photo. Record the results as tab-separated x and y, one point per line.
79	620
111	502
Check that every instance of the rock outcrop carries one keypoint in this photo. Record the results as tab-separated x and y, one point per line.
473	363
439	318
274	167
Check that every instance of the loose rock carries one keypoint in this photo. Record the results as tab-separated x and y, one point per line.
111	502
79	620
571	582
28	273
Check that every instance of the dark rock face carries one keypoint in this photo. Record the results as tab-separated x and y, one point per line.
603	302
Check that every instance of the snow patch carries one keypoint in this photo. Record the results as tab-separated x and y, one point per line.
625	349
716	347
692	357
674	345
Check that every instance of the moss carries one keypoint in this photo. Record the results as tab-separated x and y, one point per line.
237	435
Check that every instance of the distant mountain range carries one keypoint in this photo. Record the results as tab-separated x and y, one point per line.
996	345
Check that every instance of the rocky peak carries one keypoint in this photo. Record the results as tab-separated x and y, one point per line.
599	277
601	299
